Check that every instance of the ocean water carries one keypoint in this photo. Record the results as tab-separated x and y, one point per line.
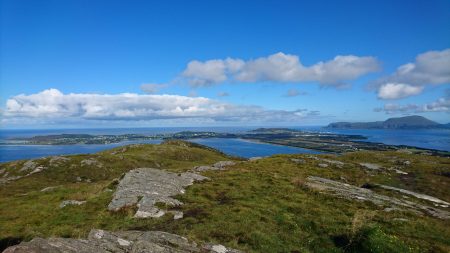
426	138
247	149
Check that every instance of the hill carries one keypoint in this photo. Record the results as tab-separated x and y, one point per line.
377	201
407	122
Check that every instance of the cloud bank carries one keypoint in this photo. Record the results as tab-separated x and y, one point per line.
440	105
279	67
430	68
52	105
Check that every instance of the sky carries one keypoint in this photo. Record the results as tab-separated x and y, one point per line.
114	63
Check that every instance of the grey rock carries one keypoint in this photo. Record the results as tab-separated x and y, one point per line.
371	166
297	160
58	160
398	171
351	192
177	215
218	248
91	162
415	194
50	188
144	187
71	202
400	219
28	166
256	158
101	241
322	165
221	165
338	164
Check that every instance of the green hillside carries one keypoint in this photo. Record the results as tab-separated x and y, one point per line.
260	205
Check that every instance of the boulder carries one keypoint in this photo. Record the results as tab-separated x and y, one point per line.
144	187
101	241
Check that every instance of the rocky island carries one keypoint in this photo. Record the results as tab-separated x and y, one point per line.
407	122
321	141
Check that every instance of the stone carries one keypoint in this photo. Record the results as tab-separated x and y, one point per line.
256	158
48	189
398	171
144	187
91	162
28	166
351	192
71	202
296	160
371	166
414	194
58	160
322	165
218	248
101	241
221	165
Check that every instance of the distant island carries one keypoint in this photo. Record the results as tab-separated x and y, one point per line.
320	141
408	122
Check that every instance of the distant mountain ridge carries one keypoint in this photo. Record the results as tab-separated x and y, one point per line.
408	122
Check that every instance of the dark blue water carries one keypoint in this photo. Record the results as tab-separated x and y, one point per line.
18	152
247	149
427	138
424	138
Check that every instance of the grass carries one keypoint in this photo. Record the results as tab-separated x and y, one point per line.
257	206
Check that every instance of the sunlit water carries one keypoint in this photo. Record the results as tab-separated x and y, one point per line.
427	138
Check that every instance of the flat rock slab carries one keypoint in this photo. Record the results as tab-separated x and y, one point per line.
371	166
221	165
144	187
417	195
362	194
101	241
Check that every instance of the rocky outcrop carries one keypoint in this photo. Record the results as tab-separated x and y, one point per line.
362	194
336	163
58	160
101	241
417	195
144	187
71	203
371	166
91	162
28	168
221	165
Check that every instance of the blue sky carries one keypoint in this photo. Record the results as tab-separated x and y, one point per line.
63	55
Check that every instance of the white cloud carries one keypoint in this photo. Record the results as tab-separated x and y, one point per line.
440	105
430	68
279	67
152	88
398	90
54	106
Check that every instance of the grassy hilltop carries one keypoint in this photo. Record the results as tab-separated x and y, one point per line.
262	205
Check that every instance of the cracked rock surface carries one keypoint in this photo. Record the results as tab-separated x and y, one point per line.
101	241
144	187
362	194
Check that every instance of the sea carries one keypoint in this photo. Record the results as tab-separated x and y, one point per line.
425	138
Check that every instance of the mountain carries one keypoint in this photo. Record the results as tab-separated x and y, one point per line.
408	122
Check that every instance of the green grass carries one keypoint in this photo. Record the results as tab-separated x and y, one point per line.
258	206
